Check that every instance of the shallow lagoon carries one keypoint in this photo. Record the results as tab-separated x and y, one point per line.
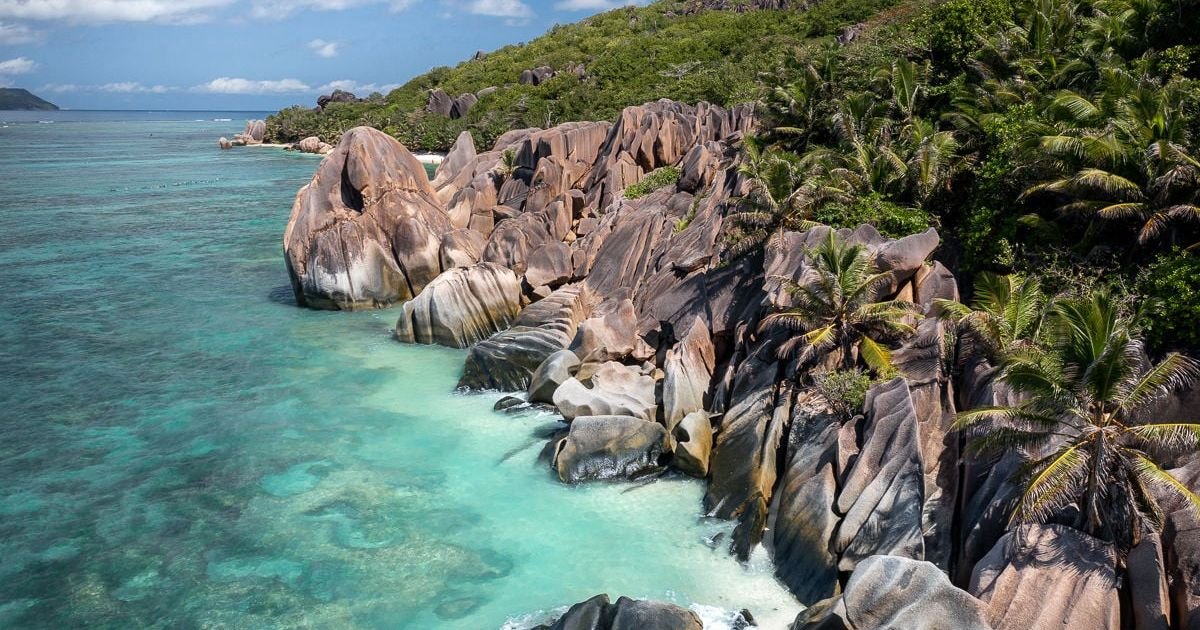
180	446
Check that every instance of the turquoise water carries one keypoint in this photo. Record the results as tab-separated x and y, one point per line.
180	446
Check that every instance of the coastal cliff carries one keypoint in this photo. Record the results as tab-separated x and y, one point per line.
633	318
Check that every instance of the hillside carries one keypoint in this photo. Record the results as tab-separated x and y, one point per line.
688	51
21	99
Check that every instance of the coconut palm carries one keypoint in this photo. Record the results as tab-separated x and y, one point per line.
1005	316
838	308
1080	431
777	200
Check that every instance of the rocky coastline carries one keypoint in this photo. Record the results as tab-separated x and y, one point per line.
629	317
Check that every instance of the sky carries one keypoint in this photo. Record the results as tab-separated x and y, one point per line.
250	54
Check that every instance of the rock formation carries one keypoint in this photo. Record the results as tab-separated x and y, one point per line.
365	232
893	592
630	318
599	613
462	306
337	96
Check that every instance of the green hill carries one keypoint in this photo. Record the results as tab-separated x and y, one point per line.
21	99
710	50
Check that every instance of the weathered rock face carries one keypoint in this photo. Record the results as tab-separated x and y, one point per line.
536	76
921	359
461	307
1181	542
610	334
1048	576
439	102
805	521
693	439
553	372
337	96
613	389
598	613
506	361
895	592
313	144
882	493
610	447
253	133
688	369
743	466
1147	575
365	232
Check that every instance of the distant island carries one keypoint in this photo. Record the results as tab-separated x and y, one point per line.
22	99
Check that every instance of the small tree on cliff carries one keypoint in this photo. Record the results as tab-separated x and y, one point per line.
1078	431
838	309
1005	316
777	198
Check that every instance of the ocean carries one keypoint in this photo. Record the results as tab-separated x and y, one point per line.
182	447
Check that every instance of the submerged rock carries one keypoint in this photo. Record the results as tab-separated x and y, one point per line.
461	307
610	447
599	613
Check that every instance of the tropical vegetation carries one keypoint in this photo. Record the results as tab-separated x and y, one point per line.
1086	434
839	309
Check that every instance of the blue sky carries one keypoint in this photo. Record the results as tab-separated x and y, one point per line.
250	54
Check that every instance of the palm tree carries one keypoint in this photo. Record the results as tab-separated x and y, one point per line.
1005	317
1079	430
778	198
838	309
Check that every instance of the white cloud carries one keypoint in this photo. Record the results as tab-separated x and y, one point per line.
59	88
229	85
356	88
500	8
12	34
20	65
100	11
322	48
133	87
276	9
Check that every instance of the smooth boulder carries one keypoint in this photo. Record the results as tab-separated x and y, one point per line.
610	447
461	307
612	389
895	592
553	372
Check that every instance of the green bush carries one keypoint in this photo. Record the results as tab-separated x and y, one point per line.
660	177
1170	287
890	219
844	390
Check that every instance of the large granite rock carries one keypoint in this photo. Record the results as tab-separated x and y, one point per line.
365	232
922	359
598	613
336	96
693	438
688	369
897	593
1049	576
1181	542
882	494
743	466
439	102
610	334
805	521
506	361
610	447
553	372
1147	574
462	306
612	389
